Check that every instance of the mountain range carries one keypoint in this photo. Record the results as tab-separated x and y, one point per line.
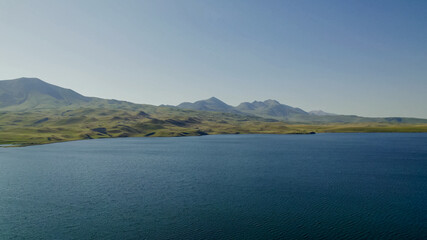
25	94
268	108
32	93
273	109
35	112
212	104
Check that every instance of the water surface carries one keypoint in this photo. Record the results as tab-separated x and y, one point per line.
218	187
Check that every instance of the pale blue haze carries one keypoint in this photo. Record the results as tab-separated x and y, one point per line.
352	57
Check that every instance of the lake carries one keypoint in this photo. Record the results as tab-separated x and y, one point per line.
330	186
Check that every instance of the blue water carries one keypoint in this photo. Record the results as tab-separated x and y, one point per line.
330	186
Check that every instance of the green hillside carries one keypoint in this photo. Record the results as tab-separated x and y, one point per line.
43	126
212	104
48	126
35	112
30	93
24	94
270	108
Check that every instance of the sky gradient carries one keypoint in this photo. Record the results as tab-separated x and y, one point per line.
367	58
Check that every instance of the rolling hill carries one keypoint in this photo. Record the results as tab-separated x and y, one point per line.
272	109
29	93
268	108
36	112
321	113
25	94
212	104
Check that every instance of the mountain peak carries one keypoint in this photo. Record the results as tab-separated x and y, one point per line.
211	104
270	107
28	93
214	99
271	102
321	113
24	80
29	78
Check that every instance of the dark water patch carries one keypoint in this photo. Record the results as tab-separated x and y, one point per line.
322	186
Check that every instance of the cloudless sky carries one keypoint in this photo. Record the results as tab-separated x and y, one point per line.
350	57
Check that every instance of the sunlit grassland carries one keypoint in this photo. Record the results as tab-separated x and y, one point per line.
50	126
363	127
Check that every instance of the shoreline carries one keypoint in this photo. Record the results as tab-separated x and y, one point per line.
29	144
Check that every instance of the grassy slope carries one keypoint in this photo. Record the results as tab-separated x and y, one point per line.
341	119
49	126
44	126
35	112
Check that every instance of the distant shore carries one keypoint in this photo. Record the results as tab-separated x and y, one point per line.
5	143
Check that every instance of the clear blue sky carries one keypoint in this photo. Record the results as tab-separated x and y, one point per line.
352	57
